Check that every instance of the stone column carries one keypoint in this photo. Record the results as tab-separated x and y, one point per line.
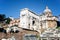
59	38
41	38
30	22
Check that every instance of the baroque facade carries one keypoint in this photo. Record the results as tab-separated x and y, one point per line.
32	21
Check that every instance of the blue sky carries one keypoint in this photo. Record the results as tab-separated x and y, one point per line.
13	7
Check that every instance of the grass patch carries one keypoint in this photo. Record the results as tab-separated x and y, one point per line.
58	28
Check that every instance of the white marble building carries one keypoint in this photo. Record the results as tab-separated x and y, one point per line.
32	21
28	19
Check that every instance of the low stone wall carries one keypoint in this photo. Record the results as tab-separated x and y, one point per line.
19	35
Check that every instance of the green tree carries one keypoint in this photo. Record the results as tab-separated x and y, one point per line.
8	20
2	17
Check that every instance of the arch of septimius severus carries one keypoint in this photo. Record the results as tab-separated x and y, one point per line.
32	21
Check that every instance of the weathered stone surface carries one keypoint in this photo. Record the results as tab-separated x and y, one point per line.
52	24
19	35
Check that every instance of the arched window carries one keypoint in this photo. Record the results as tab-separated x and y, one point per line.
33	22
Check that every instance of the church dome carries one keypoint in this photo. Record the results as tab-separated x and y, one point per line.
47	9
